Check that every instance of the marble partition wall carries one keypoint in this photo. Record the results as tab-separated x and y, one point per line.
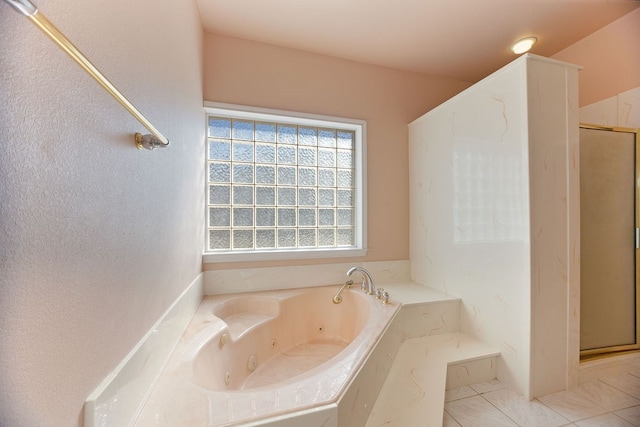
494	219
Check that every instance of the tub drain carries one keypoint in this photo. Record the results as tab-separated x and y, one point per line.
227	378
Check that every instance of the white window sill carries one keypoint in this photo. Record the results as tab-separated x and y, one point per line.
282	255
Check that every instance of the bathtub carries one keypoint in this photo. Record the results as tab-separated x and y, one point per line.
252	356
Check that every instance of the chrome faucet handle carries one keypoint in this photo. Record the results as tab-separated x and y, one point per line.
379	293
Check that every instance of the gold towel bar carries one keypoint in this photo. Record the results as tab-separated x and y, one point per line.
156	139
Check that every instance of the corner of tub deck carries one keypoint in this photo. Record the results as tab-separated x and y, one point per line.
412	293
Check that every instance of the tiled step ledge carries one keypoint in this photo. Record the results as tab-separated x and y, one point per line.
413	394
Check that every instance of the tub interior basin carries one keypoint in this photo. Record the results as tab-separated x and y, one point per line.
287	335
293	362
241	314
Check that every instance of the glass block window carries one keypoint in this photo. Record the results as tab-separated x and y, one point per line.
282	183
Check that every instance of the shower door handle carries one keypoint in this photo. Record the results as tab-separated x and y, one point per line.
637	238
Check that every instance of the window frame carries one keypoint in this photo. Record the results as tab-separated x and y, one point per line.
304	119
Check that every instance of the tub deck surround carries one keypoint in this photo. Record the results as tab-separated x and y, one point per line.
306	351
258	279
118	400
341	391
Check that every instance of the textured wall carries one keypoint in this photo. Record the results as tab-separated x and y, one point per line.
96	237
622	110
609	57
249	73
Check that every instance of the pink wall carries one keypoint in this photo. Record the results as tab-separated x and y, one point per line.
97	239
255	74
610	59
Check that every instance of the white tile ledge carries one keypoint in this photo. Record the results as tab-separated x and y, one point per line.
414	391
412	293
121	395
256	279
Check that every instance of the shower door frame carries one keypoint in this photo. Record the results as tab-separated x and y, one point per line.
604	351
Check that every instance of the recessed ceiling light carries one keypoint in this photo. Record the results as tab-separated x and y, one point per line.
523	45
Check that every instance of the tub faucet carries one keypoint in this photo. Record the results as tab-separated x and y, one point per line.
367	281
337	298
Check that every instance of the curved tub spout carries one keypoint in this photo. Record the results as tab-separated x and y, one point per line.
367	282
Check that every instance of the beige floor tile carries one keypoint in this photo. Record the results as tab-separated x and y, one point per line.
635	363
459	393
477	412
572	405
606	420
524	412
448	421
627	383
630	414
606	396
488	386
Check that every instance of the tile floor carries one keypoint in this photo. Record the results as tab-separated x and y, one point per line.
608	401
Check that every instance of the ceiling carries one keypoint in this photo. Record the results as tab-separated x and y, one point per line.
461	39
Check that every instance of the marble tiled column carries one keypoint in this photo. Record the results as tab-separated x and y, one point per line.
493	216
